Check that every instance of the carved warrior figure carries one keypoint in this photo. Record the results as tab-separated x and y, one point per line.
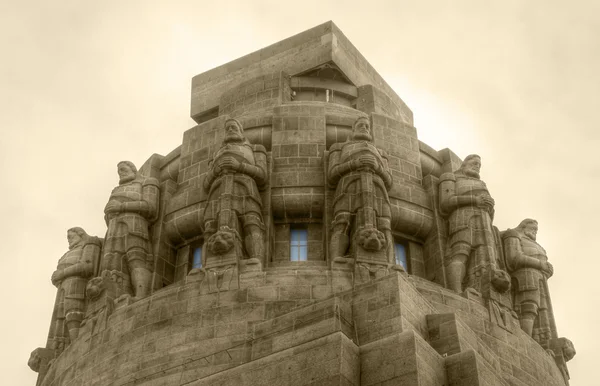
131	209
361	206
529	267
70	278
233	212
74	269
466	202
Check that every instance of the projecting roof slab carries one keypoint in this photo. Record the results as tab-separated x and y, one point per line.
309	49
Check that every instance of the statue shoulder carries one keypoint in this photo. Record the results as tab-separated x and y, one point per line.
336	146
510	233
448	177
93	240
150	181
259	148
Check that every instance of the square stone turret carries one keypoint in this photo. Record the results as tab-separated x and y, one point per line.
319	48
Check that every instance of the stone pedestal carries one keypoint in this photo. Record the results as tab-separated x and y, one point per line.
222	261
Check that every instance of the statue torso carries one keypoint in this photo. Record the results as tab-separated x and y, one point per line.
70	258
242	153
354	149
533	249
470	186
129	191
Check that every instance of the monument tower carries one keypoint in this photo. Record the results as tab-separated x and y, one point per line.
302	235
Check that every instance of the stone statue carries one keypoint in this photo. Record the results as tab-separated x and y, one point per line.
471	247
131	209
74	270
529	267
70	278
361	206
233	216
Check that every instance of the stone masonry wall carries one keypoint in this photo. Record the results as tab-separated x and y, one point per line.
283	327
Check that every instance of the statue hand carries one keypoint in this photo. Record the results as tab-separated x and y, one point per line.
113	207
56	278
368	160
229	163
485	202
548	269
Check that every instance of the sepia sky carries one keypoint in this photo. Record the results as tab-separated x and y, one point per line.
84	85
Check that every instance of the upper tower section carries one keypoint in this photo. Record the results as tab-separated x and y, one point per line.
319	64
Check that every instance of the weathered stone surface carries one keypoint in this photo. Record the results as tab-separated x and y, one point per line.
198	281
132	207
361	205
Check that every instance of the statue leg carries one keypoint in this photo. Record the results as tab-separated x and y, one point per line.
527	315
340	240
210	228
254	237
384	224
456	266
141	276
73	319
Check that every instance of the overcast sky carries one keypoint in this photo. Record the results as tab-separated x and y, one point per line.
84	85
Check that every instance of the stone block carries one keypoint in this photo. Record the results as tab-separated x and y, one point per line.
400	359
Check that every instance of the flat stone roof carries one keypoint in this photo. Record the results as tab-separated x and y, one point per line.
319	45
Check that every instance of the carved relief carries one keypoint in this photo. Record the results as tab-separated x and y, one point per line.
131	209
361	229
234	229
562	350
471	259
529	267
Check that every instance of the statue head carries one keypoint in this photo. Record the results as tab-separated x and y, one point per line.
471	166
371	239
500	280
568	350
234	132
94	287
362	129
76	236
127	171
222	241
529	227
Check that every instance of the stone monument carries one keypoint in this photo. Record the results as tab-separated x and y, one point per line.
302	234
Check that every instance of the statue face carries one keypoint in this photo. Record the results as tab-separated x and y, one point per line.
362	130
531	230
126	174
73	238
233	132
472	167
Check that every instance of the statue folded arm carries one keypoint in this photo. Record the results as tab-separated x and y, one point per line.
337	169
146	207
450	201
384	171
213	171
517	259
84	267
258	171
